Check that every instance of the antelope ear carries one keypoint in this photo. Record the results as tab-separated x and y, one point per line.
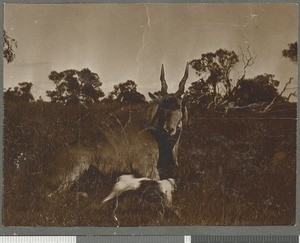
152	115
153	96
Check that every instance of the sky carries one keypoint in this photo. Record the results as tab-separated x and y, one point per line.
130	41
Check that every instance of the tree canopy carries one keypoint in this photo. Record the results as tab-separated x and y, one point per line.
216	67
199	93
8	47
291	52
126	93
214	70
19	94
262	88
73	87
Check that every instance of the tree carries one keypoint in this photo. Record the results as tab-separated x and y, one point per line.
19	94
73	87
291	52
8	47
126	93
217	67
262	88
199	93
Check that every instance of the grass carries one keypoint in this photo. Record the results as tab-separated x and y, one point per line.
236	169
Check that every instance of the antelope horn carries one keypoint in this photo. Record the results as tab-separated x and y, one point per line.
180	90
164	86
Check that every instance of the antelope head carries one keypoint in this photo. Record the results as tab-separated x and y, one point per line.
171	110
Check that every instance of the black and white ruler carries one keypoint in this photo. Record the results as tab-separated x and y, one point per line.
150	239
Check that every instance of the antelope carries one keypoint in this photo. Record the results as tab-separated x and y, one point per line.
168	115
152	153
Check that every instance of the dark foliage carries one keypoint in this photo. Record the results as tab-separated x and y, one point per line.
126	93
74	87
199	93
218	66
19	94
8	47
291	52
262	88
214	70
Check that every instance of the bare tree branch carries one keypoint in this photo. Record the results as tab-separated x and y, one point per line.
279	95
248	60
291	94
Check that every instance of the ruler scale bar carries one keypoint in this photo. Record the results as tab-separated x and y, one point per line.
150	239
37	239
130	239
244	239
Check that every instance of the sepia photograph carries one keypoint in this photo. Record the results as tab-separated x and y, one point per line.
127	115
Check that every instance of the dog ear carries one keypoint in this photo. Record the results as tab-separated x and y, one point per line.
173	183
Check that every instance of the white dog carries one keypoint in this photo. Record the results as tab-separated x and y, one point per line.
130	183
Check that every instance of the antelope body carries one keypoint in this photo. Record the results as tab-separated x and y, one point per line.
151	154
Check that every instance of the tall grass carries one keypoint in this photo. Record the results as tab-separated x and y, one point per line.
235	169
